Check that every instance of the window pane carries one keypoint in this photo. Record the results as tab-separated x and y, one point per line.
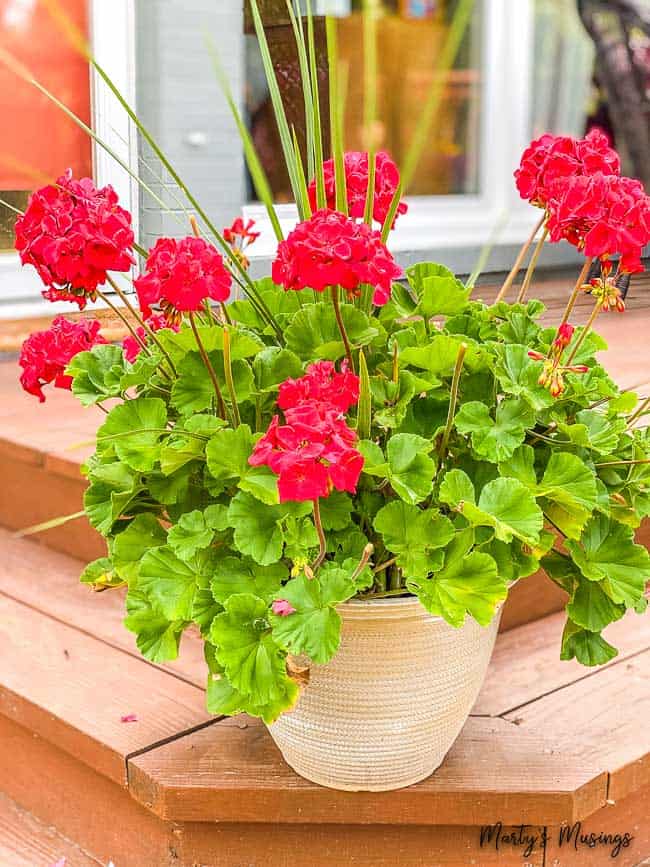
38	142
410	36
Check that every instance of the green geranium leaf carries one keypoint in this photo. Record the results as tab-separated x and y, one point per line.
438	291
242	575
468	583
513	561
228	452
193	391
134	429
509	508
245	647
495	440
169	582
129	547
141	372
223	698
105	501
157	637
314	333
589	648
315	626
100	573
606	552
262	483
410	469
300	538
336	510
591	608
415	536
562	570
518	375
456	489
204	606
521	466
438	357
188	442
595	431
273	366
243	343
570	493
96	374
191	534
258	526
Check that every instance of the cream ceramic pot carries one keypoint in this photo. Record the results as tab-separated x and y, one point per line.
385	711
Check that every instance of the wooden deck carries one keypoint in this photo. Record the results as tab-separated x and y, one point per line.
548	742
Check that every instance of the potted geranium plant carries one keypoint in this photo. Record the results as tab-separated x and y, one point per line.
337	477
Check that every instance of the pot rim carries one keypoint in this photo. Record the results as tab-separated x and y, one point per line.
396	608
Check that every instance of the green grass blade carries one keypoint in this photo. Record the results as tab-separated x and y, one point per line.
336	117
305	79
364	406
11	208
321	198
306	207
276	100
369	22
390	216
260	180
448	56
49	525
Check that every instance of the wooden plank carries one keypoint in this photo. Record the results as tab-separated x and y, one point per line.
82	805
97	614
323	845
629	817
526	661
234	772
26	842
31	495
73	690
601	719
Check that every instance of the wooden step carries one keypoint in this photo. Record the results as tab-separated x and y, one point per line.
180	786
26	842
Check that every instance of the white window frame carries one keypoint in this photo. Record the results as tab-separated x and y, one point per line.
112	34
457	221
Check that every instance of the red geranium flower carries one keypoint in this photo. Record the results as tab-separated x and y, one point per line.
73	233
356	183
240	234
550	159
155	322
564	335
313	452
331	249
181	275
45	354
321	384
602	215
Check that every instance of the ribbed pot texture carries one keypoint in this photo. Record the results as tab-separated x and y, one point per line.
386	710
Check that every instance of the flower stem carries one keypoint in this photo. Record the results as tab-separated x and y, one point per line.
341	325
208	364
638	413
321	536
516	268
594	313
624	463
525	286
150	334
227	369
453	399
125	320
365	556
576	291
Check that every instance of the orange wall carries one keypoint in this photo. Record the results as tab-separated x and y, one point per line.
37	141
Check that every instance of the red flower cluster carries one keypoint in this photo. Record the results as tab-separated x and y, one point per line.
330	249
313	452
564	335
356	182
73	233
322	384
602	215
45	354
550	159
155	322
181	275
